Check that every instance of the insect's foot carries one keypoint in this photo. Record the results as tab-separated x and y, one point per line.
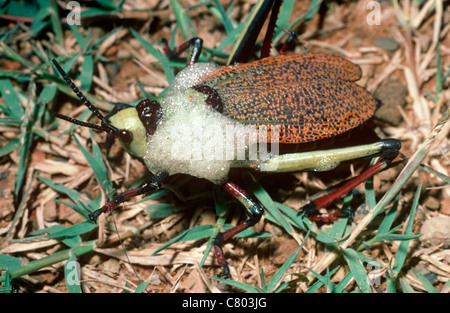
226	272
307	210
94	215
347	213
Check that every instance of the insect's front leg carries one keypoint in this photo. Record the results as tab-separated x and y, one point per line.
254	213
154	184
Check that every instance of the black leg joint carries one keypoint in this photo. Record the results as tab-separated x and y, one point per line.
391	148
119	199
196	44
254	215
154	184
219	240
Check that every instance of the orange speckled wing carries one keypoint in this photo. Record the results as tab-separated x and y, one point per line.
309	97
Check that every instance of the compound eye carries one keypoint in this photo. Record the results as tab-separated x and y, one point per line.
126	136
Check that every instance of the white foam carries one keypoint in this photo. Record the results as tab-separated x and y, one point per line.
191	75
193	138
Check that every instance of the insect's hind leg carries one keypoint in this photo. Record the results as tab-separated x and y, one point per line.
254	213
311	210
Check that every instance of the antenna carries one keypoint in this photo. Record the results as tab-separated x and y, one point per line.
103	127
77	91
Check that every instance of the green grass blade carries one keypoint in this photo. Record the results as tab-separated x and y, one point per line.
390	286
322	280
59	256
439	79
79	38
6	35
6	286
77	229
341	285
72	241
266	201
219	12
402	251
263	280
445	178
40	21
69	62
338	228
142	286
237	284
26	140
199	232
150	49
9	263
97	165
219	201
294	219
10	146
393	237
55	21
87	72
405	286
12	105
10	121
357	269
204	231
222	213
72	194
313	8
285	14
314	287
386	224
47	94
184	21
157	54
369	191
231	37
76	207
370	194
72	275
325	238
280	273
98	42
425	282
159	210
13	55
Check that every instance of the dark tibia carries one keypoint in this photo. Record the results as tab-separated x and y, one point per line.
154	184
254	213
